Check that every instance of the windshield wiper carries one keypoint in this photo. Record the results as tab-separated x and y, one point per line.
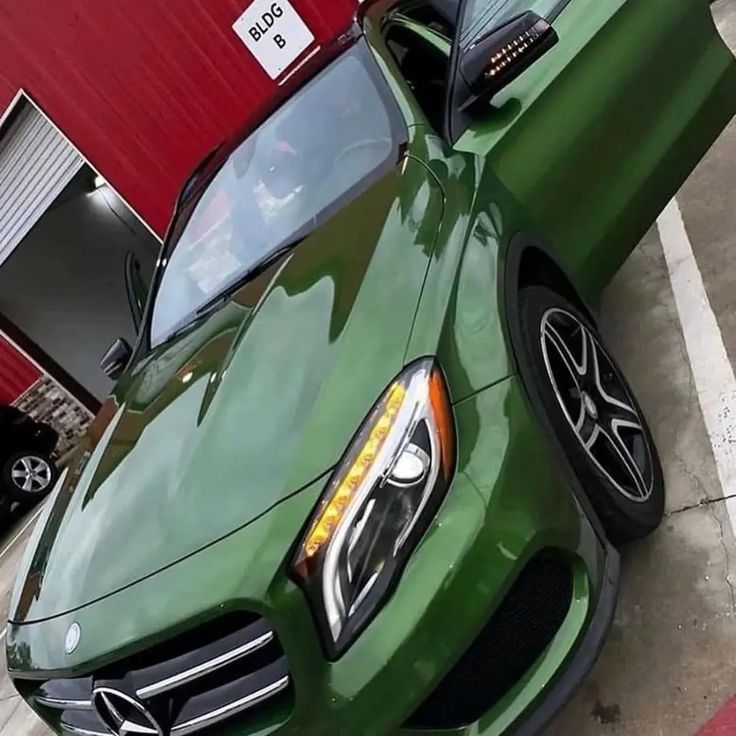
224	294
246	277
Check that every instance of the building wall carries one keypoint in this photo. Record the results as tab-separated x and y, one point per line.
64	286
144	88
17	373
24	385
47	401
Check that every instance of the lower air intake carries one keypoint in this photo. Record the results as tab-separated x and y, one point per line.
511	642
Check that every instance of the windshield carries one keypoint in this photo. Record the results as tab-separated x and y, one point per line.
328	143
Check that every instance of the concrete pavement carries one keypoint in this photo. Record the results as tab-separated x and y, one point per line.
668	665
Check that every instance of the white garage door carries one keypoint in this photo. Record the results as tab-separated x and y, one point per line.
36	163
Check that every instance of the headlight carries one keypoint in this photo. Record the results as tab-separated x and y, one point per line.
378	503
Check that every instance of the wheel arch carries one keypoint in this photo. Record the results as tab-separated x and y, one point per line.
530	263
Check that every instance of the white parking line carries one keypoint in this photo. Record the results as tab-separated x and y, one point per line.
713	374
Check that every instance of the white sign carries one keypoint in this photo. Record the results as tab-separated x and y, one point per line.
274	33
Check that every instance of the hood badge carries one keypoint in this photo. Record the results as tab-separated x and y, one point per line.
73	635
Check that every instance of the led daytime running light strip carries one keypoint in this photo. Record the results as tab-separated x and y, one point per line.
508	53
322	530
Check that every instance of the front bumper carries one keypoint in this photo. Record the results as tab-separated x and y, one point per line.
507	505
582	662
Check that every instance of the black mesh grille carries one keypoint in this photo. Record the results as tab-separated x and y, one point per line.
513	639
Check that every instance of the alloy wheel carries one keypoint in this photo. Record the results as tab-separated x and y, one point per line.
597	404
31	474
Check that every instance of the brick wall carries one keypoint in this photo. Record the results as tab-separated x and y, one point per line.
48	402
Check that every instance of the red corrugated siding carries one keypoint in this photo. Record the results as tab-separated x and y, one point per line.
143	87
17	373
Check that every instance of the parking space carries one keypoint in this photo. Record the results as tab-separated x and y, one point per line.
667	667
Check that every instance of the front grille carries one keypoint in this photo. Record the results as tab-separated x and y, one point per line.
511	642
226	671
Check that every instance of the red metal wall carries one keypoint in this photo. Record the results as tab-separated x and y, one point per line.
17	373
143	87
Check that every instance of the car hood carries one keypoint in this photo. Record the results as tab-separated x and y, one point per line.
217	428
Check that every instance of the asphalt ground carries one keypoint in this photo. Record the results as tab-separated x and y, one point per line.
667	668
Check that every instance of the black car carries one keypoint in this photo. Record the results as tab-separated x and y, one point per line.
27	469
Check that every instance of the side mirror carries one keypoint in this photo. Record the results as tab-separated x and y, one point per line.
116	359
496	59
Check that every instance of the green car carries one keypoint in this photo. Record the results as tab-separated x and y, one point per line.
364	469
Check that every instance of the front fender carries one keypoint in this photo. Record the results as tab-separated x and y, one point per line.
458	317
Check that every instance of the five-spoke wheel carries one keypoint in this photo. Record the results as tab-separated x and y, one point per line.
597	403
593	412
28	476
31	474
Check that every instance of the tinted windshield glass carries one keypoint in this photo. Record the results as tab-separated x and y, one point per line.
323	147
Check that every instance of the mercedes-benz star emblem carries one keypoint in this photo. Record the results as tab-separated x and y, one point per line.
124	715
73	635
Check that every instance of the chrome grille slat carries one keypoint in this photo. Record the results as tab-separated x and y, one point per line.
205	668
65	693
82	723
231	709
80	731
64	703
187	685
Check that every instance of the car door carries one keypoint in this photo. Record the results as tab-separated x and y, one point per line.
590	142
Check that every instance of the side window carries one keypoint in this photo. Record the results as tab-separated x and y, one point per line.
439	17
484	15
424	67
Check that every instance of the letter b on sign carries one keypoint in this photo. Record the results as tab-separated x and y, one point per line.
274	33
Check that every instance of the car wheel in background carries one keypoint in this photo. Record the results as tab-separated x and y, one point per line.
29	476
594	413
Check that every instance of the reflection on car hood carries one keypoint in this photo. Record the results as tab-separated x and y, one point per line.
215	429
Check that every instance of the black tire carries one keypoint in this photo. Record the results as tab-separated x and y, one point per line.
29	493
6	508
593	414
